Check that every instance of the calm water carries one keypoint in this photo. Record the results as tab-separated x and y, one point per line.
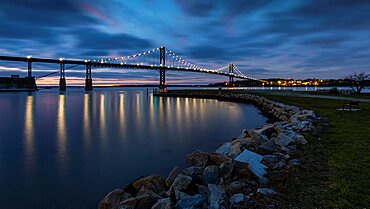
66	151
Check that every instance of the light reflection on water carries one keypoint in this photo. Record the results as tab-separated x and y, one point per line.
78	146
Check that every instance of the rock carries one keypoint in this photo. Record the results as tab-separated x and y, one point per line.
112	200
279	165
190	202
197	158
300	140
217	197
172	176
193	170
155	183
144	191
264	181
236	187
237	198
203	190
219	159
211	175
164	203
226	170
269	145
142	202
283	140
230	149
270	159
253	159
181	182
266	191
294	162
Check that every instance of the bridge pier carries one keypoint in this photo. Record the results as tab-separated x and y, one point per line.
162	70
62	79
29	67
231	70
88	80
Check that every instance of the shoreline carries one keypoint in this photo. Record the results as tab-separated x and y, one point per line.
240	173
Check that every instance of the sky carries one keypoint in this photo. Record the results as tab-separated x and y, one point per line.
265	38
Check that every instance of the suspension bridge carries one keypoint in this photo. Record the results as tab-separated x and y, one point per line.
159	59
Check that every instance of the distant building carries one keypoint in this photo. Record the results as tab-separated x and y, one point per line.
14	82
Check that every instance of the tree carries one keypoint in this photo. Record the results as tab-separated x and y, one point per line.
357	81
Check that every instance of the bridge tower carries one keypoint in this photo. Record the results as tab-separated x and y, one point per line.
162	70
231	71
88	80
62	79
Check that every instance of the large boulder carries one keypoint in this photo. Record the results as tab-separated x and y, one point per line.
197	158
226	170
283	140
173	174
253	160
211	175
217	197
155	183
112	200
219	159
164	203
181	182
190	202
139	202
230	149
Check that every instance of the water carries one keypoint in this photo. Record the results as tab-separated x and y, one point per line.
67	151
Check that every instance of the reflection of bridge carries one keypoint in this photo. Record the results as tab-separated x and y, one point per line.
168	60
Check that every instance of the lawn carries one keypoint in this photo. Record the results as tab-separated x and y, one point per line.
337	171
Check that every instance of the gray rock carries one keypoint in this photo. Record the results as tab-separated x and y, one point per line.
164	203
193	170
279	165
172	176
270	159
219	159
211	175
112	200
237	198
236	187
253	159
190	202
155	183
226	170
197	158
269	145
142	202
294	162
230	149
283	140
181	182
266	191
217	197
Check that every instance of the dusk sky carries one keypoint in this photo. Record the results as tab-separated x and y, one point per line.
265	38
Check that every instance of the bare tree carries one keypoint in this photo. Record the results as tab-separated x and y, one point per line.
357	81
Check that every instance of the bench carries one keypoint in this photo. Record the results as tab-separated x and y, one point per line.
350	105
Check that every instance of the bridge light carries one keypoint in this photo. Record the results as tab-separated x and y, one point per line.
61	59
121	63
29	56
85	60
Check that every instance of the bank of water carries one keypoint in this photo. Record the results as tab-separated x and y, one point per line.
68	150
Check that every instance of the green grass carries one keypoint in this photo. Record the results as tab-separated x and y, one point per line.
336	168
337	172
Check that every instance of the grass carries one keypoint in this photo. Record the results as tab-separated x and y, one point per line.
336	168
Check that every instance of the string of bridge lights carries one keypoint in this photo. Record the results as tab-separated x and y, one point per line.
182	63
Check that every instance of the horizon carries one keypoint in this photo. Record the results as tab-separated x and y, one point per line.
264	39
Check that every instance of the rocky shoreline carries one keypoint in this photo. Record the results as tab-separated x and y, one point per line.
238	174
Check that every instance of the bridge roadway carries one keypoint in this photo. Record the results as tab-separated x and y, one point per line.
116	65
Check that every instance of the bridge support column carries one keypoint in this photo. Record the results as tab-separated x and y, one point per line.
62	79
231	71
29	67
162	70
88	80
